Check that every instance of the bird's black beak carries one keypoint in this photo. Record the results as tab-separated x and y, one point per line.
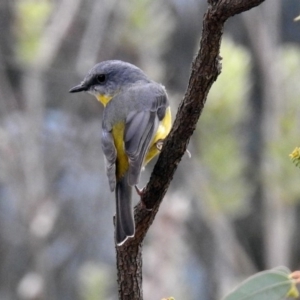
78	88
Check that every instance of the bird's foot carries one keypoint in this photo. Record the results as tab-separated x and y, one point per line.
140	192
159	144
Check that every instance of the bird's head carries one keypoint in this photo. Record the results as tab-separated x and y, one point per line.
108	78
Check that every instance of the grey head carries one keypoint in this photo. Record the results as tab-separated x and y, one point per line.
109	77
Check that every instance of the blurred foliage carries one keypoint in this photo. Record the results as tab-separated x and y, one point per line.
144	20
94	281
32	16
295	156
289	127
220	138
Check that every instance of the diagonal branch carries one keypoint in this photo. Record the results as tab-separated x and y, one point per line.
205	70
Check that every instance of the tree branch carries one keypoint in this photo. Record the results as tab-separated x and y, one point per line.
205	70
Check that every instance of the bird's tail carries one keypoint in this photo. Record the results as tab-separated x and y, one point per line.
124	211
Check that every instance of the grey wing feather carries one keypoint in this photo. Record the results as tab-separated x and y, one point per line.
138	145
110	153
139	131
135	128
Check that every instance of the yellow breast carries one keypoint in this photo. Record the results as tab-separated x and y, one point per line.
118	135
161	133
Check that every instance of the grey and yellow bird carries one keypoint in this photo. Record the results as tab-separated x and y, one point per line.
136	120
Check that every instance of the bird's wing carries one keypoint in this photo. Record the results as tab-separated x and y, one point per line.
140	127
110	154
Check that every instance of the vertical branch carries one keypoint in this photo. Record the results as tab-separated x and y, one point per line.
130	274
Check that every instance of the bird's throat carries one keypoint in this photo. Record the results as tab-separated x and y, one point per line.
104	99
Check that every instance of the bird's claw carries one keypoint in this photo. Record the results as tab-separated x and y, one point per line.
159	144
140	192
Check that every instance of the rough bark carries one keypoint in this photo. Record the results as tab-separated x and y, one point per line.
205	70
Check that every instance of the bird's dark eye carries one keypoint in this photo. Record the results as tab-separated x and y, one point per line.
101	78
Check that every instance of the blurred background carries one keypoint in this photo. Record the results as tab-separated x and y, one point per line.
232	209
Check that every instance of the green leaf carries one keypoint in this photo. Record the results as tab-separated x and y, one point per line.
273	284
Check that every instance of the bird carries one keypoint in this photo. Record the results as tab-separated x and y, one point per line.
136	120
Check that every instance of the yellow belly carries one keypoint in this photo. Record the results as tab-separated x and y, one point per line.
118	134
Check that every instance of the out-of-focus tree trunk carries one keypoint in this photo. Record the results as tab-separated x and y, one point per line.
9	75
37	198
261	231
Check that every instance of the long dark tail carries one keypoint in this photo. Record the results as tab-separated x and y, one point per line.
124	211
